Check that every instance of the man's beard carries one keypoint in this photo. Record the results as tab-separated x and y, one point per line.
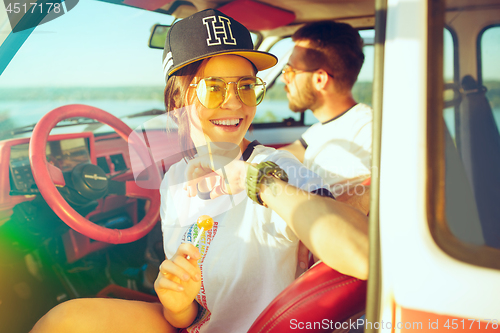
303	100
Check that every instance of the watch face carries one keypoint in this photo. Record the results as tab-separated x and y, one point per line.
281	174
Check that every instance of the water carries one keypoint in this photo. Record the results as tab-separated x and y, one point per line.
274	111
27	112
23	113
15	114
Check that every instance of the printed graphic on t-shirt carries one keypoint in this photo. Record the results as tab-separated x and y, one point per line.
203	245
202	317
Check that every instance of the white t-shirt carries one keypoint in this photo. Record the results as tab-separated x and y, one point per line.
339	150
250	254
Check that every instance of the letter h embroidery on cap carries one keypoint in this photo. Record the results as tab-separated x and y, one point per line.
224	28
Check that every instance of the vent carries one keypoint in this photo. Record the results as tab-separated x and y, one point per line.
118	162
103	164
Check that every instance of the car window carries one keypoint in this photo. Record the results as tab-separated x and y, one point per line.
275	108
362	90
490	49
463	147
472	142
255	37
106	64
451	93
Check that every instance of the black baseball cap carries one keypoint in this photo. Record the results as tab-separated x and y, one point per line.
206	34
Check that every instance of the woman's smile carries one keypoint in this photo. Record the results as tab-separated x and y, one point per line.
227	124
230	121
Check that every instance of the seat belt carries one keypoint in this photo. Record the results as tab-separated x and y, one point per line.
479	148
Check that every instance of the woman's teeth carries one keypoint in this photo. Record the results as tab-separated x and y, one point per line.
226	122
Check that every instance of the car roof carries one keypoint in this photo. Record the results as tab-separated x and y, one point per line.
303	11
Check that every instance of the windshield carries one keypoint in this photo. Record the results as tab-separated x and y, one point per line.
95	54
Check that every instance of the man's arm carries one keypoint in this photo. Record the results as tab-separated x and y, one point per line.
357	199
333	231
297	149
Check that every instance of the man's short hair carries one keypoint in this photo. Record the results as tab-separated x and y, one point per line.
341	46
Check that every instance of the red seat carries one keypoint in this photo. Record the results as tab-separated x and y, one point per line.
367	182
320	295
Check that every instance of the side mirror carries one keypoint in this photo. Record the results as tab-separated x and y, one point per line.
158	36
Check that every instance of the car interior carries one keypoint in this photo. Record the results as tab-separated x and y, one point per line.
95	231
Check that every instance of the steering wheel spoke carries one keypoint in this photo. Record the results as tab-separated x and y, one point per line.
132	190
56	175
135	191
116	187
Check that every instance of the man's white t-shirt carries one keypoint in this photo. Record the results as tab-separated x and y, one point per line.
250	254
339	150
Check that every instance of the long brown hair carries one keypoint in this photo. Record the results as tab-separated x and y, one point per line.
175	93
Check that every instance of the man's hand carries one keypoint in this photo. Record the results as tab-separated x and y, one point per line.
303	256
297	149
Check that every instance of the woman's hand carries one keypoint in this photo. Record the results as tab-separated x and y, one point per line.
225	175
179	280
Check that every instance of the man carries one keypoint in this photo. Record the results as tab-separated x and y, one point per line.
319	76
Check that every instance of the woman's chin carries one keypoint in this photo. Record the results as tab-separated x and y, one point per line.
230	134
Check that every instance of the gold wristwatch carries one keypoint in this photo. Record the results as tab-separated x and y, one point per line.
256	174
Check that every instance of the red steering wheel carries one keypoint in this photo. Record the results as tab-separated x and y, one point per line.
47	176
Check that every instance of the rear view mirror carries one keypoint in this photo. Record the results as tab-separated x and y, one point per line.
158	36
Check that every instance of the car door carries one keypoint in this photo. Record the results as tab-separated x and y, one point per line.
435	225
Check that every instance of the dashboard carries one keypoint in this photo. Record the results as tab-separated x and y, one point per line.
21	202
64	154
19	196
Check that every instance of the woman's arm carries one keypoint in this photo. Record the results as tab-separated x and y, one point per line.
184	318
334	232
177	285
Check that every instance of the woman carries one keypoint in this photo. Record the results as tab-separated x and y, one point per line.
250	254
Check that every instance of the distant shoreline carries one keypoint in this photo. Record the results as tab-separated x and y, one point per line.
362	92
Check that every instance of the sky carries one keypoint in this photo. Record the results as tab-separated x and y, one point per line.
90	45
98	44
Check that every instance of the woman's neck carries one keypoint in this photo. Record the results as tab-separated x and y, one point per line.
243	145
